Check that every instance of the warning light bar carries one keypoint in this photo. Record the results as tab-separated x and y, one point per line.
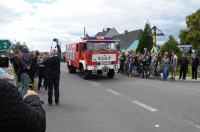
100	38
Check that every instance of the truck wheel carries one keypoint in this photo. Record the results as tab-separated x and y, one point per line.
84	74
111	73
71	69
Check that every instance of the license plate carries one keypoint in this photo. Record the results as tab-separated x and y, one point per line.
105	69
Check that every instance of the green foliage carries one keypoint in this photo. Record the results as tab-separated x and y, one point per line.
19	45
198	51
146	40
193	21
192	33
171	46
183	37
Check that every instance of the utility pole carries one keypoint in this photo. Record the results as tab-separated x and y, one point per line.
84	31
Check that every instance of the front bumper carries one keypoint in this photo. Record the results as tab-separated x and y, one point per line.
102	67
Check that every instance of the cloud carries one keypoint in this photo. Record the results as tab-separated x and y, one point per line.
37	22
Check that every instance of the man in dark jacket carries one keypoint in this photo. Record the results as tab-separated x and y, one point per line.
52	66
16	61
18	114
25	71
183	66
195	64
41	72
33	67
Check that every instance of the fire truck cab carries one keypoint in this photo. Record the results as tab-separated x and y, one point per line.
93	56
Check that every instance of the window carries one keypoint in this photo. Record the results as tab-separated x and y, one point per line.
70	54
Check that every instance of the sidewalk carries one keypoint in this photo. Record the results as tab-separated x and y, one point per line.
189	79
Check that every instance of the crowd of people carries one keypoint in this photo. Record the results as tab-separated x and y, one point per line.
27	65
155	66
20	106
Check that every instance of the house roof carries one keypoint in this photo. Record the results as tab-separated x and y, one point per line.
127	38
103	33
108	31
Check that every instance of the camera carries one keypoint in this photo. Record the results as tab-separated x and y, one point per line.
4	62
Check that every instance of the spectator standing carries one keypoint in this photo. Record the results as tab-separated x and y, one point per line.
122	61
152	67
17	64
165	67
146	64
52	65
183	66
25	70
195	64
33	68
135	66
158	66
126	66
141	66
41	72
173	65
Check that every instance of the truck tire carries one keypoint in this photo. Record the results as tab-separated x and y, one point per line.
84	74
71	69
111	74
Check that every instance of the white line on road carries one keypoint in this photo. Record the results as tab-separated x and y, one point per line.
94	83
192	124
144	106
113	92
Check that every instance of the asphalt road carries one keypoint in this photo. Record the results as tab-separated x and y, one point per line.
124	104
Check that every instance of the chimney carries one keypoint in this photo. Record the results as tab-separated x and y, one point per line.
108	29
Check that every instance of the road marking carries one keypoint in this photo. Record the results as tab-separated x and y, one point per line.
94	83
157	126
192	124
113	92
144	106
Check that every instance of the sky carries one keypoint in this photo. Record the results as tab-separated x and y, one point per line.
37	22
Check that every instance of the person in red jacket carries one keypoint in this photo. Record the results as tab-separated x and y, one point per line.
19	114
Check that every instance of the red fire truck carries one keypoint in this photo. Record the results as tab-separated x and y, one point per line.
93	56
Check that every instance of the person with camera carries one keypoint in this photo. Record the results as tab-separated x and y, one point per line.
52	68
20	114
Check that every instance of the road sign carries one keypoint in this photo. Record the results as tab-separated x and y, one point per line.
5	45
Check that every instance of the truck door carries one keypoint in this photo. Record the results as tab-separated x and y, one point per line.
77	55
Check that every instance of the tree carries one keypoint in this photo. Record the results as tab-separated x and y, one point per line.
19	45
192	33
198	51
183	36
171	45
146	40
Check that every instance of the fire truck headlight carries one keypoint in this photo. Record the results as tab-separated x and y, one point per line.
94	68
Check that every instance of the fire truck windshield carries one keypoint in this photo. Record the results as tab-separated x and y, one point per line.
105	46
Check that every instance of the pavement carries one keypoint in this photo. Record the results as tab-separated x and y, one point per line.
123	104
